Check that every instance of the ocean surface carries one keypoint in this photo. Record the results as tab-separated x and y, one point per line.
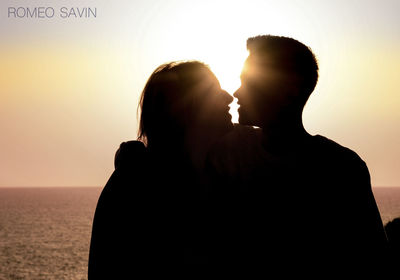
45	232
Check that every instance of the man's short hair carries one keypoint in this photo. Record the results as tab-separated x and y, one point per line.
287	55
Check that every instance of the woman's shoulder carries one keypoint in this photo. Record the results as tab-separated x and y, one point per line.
240	136
240	146
130	153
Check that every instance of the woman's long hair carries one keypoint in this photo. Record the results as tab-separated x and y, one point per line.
168	104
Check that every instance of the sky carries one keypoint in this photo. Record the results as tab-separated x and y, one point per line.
70	85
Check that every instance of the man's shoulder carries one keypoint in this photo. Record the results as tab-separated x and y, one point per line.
326	147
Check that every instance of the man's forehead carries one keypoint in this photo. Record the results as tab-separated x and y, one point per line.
258	68
261	59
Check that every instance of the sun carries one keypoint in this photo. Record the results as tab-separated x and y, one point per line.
228	75
227	66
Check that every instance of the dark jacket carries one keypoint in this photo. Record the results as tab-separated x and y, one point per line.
311	210
121	230
149	217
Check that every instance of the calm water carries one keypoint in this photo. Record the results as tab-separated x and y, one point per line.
45	232
388	200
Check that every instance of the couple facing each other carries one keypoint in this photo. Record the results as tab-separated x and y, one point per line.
197	189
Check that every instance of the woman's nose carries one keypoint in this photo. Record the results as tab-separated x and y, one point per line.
227	97
236	93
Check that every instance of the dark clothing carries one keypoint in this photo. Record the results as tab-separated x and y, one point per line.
148	217
120	218
310	208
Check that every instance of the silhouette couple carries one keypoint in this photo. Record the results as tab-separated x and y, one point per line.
197	191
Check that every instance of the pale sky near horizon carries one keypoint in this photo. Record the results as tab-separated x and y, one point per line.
69	87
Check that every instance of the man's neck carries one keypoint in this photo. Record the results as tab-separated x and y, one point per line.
283	137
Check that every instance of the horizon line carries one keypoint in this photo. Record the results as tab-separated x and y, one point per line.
51	186
63	186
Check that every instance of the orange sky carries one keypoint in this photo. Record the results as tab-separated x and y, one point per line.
69	87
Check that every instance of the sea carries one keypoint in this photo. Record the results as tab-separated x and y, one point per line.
45	232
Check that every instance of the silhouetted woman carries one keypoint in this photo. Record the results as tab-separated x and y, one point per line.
152	214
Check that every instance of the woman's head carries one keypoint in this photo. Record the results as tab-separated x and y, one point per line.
179	96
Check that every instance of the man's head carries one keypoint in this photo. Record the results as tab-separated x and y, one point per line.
278	77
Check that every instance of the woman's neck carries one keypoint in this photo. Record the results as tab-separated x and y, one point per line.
197	144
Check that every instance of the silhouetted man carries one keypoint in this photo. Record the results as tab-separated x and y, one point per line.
282	196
